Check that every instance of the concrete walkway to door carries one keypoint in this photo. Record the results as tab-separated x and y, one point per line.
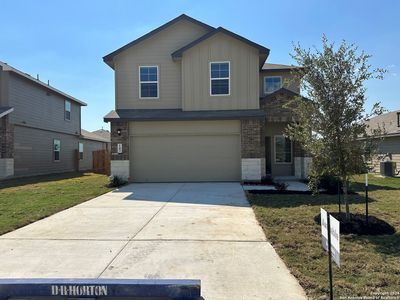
201	231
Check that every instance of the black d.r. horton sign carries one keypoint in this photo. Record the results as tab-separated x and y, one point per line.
104	288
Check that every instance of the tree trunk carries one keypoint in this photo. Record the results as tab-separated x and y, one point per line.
346	197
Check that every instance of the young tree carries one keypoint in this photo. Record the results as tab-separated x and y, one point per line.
330	124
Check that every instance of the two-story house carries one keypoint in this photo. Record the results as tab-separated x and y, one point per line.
198	103
40	128
389	146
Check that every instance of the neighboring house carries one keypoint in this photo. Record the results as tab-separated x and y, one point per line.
389	146
92	141
40	128
198	103
105	134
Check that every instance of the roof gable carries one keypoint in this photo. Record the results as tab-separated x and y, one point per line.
109	57
262	50
387	121
279	67
93	136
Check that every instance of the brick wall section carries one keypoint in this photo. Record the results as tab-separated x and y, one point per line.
253	142
123	139
275	110
6	138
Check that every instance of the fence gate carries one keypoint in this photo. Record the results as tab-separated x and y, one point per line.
101	162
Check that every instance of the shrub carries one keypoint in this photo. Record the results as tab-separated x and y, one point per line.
281	186
267	180
325	182
116	181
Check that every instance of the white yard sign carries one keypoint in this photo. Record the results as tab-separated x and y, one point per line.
324	228
335	235
335	240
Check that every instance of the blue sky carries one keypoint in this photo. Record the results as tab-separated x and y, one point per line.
64	41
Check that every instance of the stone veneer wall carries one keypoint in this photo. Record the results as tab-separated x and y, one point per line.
120	161
123	139
253	149
302	161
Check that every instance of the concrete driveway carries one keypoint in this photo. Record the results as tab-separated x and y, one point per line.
201	231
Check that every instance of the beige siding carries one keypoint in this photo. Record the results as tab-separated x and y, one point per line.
4	88
155	50
185	151
244	83
288	81
33	152
184	127
390	145
278	169
35	106
389	148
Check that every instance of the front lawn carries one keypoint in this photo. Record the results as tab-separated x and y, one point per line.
370	264
25	200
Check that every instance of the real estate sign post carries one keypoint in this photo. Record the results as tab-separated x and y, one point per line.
330	229
366	198
339	191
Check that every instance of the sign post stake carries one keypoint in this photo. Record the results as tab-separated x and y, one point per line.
366	198
338	192
330	259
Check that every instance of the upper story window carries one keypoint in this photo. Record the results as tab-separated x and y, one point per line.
220	78
398	119
283	150
67	110
272	84
56	150
80	146
148	82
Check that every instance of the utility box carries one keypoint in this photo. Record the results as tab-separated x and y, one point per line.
388	168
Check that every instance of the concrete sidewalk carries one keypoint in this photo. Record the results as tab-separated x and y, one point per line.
201	231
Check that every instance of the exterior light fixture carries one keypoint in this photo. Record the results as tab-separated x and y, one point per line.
119	131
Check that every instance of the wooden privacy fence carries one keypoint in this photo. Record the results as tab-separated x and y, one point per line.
101	162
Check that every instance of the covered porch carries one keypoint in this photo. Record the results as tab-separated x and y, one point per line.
283	157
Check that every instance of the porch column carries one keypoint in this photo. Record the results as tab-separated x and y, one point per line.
302	161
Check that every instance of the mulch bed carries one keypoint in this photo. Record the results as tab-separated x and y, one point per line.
276	192
357	224
289	192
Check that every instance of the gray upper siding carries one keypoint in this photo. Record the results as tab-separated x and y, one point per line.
37	107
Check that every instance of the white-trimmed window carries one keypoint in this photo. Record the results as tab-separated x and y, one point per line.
272	84
67	110
56	149
148	82
283	150
80	146
220	74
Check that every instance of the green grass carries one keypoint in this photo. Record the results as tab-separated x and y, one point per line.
26	200
370	264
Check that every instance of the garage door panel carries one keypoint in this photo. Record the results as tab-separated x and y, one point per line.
185	158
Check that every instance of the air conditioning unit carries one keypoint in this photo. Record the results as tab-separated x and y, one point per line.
388	168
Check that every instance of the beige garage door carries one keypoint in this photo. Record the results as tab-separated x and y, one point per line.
185	151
